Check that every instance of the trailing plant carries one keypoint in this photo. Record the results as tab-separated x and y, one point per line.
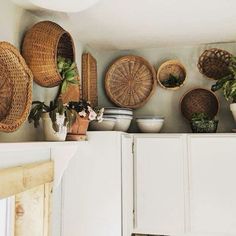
173	81
56	109
84	109
68	72
228	83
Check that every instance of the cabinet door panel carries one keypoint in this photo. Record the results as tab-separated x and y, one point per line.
159	185
212	184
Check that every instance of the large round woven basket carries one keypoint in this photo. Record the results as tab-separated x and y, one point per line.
199	100
174	68
15	88
214	63
130	81
42	45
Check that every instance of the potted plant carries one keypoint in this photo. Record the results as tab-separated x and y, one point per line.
201	123
85	114
228	86
56	117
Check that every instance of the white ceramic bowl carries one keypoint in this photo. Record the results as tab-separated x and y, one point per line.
107	124
122	122
150	124
117	111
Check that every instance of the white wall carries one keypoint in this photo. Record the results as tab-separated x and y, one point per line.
166	102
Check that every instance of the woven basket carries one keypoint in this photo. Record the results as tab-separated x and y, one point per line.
199	100
174	68
89	79
15	88
214	63
130	81
42	45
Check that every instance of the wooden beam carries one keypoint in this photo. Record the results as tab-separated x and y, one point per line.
19	179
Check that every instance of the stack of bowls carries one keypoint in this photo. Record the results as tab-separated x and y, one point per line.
123	117
150	124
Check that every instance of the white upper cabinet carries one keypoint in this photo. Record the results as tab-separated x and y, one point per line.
212	165
159	184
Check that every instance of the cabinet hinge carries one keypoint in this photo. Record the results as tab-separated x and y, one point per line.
133	148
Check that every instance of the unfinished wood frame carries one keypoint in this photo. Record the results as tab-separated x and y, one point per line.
31	186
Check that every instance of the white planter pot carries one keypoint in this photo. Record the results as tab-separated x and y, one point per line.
233	110
49	133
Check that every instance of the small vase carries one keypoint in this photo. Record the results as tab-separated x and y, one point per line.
233	110
49	133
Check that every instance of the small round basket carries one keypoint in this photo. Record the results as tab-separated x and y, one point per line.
130	82
41	47
214	63
199	100
170	70
15	88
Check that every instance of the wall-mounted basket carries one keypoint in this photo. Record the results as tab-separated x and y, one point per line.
171	75
130	81
214	63
42	45
15	88
199	100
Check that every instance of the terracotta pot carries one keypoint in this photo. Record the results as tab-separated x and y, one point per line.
80	126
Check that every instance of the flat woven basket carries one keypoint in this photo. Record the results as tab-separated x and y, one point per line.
173	67
130	82
214	62
89	79
42	45
15	88
197	101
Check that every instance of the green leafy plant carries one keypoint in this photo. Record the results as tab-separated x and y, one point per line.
173	81
68	72
228	83
55	107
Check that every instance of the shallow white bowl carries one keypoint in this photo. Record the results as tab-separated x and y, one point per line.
117	111
107	124
122	122
150	125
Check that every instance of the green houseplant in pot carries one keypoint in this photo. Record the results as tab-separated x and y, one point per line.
56	118
228	85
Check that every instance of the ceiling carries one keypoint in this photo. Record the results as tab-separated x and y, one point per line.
130	24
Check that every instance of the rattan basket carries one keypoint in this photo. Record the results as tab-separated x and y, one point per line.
214	63
130	81
15	88
42	45
199	100
171	67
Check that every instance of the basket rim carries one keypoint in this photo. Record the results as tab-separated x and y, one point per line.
135	58
198	88
171	62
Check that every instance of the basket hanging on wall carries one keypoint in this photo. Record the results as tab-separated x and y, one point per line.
41	47
130	81
15	88
214	63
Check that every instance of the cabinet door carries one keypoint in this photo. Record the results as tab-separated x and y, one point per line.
159	185
212	162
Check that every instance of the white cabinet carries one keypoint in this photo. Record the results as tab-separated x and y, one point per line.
97	187
159	184
212	168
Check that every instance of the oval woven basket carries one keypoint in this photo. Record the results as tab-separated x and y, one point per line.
214	63
15	88
42	45
199	100
130	81
174	68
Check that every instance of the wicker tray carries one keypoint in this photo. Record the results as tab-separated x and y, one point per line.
171	67
89	79
197	101
214	62
42	45
130	81
15	88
